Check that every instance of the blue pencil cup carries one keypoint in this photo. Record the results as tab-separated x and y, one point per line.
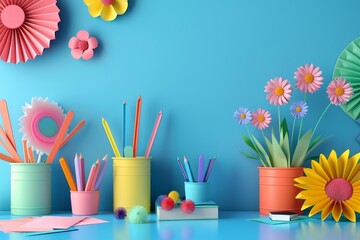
198	192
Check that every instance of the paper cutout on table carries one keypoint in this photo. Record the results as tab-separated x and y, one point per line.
26	28
271	222
9	225
348	66
36	223
48	223
50	232
90	221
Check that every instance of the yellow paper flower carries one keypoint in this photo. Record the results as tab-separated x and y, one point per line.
106	9
332	186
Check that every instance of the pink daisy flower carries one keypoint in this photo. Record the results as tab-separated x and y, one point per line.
82	45
308	78
339	91
261	118
279	90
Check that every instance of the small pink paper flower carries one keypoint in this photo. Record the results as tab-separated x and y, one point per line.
261	118
308	78
82	45
279	90
339	91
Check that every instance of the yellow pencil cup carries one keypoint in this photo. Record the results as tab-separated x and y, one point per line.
132	182
30	188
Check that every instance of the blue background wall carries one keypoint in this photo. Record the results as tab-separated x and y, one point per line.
197	61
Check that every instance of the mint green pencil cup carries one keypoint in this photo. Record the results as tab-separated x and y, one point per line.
30	188
197	192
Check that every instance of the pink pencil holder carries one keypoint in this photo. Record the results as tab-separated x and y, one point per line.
84	202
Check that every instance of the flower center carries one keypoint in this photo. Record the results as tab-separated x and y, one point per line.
261	118
12	16
309	78
298	109
243	116
339	91
339	189
107	2
83	45
279	91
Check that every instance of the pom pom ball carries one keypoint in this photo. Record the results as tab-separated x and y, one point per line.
167	204
187	206
174	195
138	215
120	213
159	199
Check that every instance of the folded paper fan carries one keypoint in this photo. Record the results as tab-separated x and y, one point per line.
348	66
41	123
26	28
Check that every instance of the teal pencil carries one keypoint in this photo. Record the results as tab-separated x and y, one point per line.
188	169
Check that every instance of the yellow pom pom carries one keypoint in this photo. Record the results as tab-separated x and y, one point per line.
174	195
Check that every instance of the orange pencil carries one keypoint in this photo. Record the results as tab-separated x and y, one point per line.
69	177
7	158
137	126
96	174
90	177
72	133
26	156
31	155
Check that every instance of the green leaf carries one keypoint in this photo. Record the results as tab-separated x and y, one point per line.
263	151
314	146
284	128
279	156
313	142
286	148
248	155
270	149
301	149
249	143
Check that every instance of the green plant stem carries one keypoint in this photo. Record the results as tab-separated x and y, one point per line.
279	121
301	121
322	115
292	132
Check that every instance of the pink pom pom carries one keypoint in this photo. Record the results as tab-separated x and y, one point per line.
187	206
167	204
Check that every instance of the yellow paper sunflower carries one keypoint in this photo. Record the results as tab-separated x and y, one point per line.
106	9
332	186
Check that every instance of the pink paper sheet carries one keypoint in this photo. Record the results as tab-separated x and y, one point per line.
9	225
90	220
48	223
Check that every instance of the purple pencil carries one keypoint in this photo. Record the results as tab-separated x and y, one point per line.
208	171
103	168
201	168
77	173
182	170
82	173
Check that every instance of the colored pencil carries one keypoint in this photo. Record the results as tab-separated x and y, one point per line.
31	155
9	146
110	138
69	177
60	136
186	179
102	171
72	133
153	134
137	126
6	121
209	168
7	158
124	126
188	169
201	168
90	177
96	174
77	172
26	156
82	172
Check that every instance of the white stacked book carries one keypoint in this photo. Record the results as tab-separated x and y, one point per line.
206	210
283	216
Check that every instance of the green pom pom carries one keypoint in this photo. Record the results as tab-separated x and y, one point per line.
138	215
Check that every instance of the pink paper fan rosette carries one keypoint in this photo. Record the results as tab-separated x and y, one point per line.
26	28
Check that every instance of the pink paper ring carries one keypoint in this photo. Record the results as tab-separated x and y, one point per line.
12	16
35	129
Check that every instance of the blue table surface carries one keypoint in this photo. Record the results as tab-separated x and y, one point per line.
231	225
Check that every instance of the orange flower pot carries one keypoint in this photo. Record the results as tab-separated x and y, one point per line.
277	191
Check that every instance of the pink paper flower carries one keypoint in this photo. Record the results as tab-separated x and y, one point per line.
82	45
339	91
279	90
308	78
261	118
